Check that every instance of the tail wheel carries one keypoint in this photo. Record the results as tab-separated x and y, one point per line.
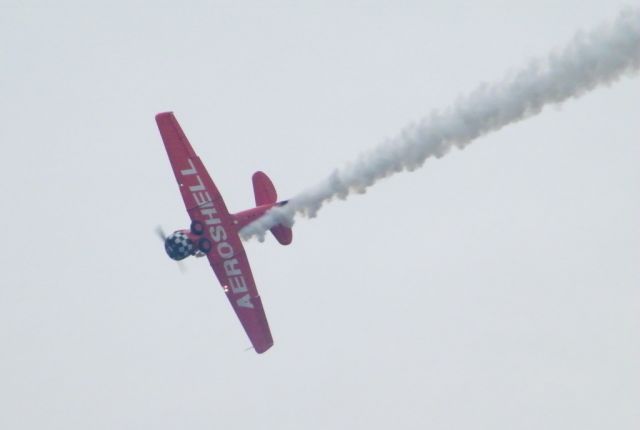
204	245
197	227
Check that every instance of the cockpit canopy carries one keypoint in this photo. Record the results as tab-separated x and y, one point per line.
179	246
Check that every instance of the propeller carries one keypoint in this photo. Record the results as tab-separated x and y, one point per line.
163	236
182	267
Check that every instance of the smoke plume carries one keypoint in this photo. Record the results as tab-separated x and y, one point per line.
592	59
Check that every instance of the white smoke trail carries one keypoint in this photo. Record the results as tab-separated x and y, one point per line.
589	60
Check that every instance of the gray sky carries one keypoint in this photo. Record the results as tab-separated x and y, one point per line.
496	287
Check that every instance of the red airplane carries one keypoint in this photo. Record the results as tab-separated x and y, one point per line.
214	231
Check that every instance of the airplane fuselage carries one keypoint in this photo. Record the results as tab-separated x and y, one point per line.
183	243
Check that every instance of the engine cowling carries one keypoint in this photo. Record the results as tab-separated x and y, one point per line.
179	246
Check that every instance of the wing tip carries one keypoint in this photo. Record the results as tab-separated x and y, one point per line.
162	115
261	349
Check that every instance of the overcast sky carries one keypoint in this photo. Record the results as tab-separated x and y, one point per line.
495	288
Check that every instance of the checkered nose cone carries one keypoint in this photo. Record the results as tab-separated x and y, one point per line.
179	246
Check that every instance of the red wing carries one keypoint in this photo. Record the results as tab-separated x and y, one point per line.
236	278
227	257
185	162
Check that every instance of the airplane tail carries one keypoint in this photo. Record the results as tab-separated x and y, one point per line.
265	194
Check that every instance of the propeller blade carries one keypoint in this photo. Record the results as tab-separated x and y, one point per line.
160	233
182	267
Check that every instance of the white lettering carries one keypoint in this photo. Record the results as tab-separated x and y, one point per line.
230	267
209	213
202	198
225	250
236	282
238	285
217	233
198	187
191	171
245	302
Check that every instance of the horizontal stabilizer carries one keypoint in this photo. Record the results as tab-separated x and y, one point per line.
283	234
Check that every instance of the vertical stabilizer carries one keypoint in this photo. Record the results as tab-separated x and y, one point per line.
263	189
265	194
